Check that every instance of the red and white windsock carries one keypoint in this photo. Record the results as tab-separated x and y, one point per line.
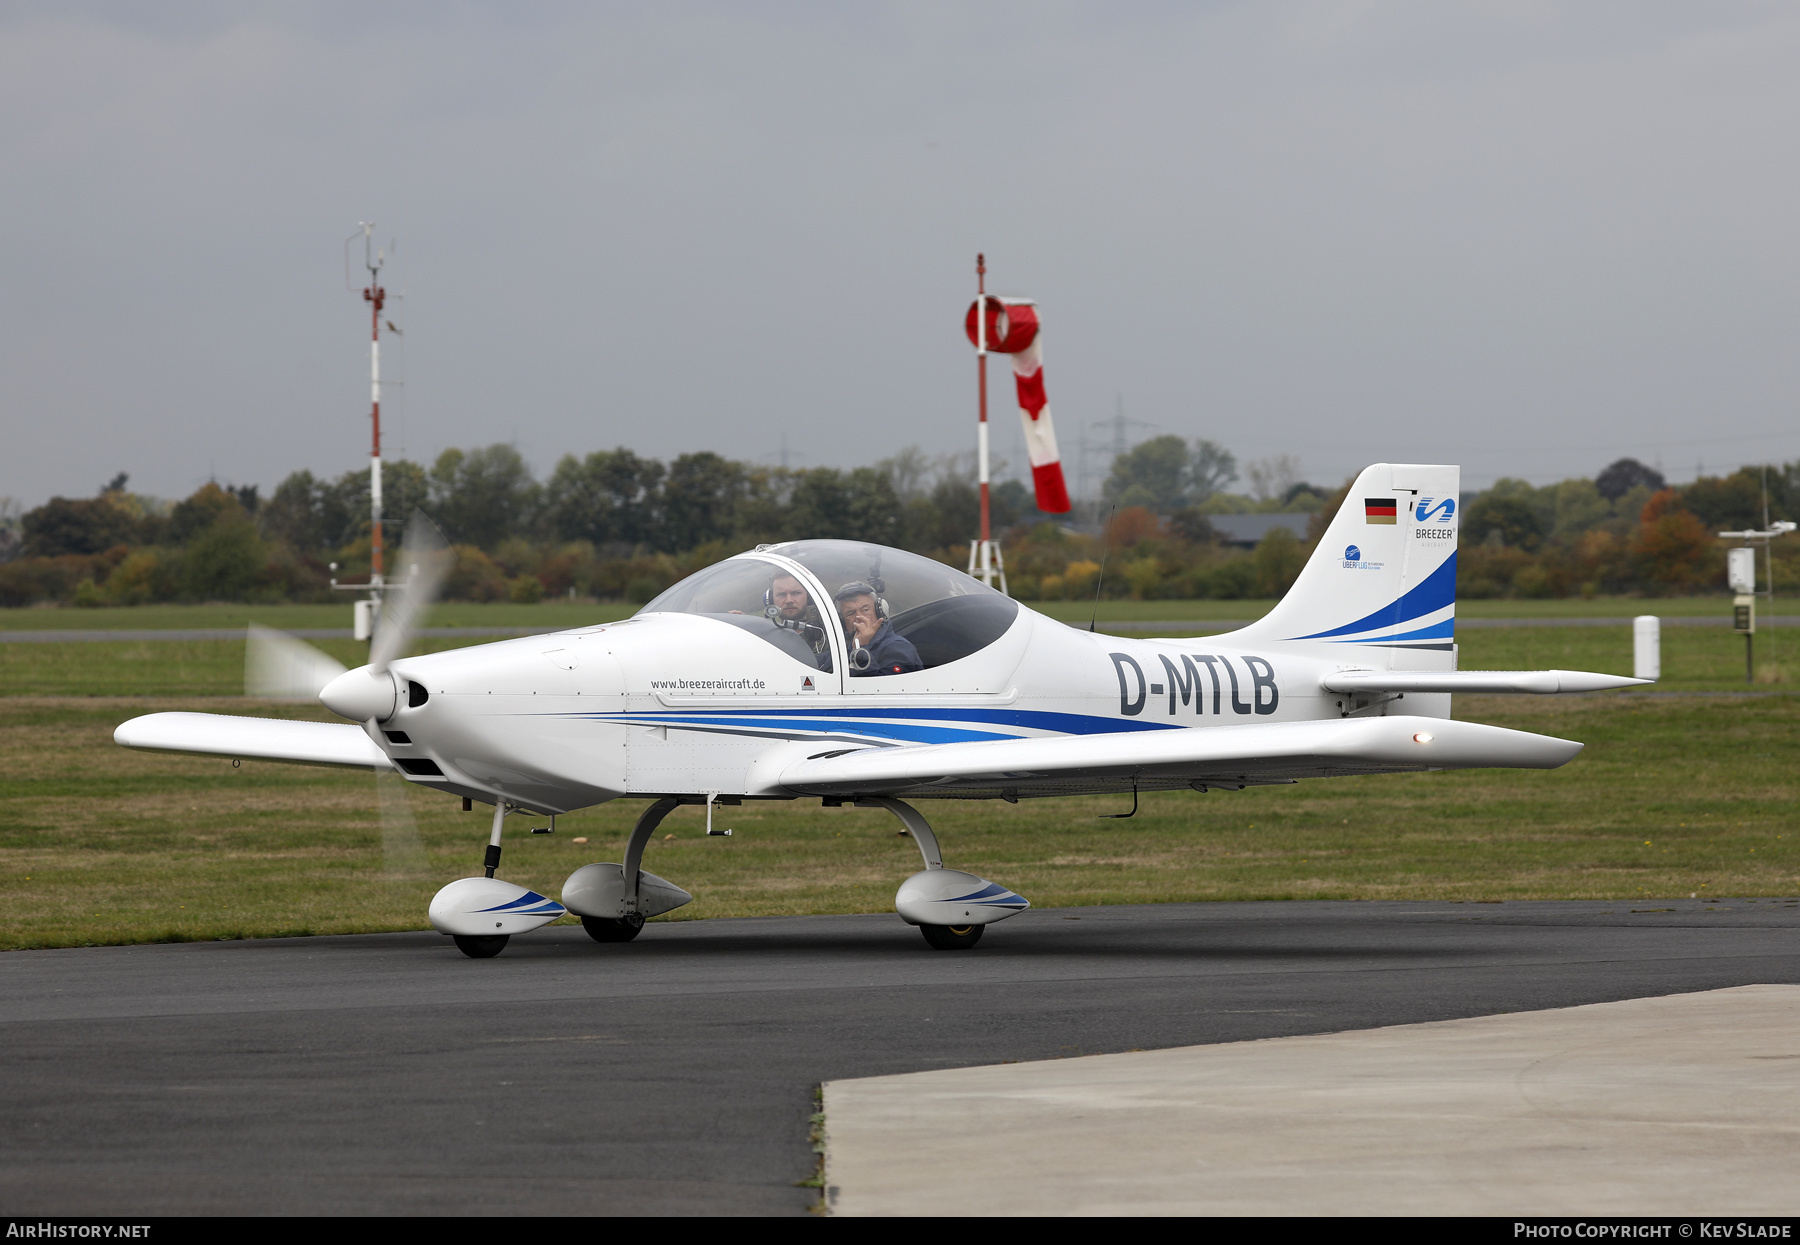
1012	328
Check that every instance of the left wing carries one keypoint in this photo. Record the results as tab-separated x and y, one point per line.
1228	756
253	739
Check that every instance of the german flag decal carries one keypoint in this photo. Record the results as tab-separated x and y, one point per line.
1380	510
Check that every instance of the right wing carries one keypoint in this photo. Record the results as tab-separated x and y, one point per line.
1200	757
253	739
1534	682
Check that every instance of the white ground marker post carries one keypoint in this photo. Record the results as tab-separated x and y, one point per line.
1646	647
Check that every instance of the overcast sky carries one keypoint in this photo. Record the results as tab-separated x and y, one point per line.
1527	238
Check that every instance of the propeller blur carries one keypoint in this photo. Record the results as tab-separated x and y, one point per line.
745	682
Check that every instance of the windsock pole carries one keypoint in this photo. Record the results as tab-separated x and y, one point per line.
981	443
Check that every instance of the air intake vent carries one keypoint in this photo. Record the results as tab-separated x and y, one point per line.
419	768
416	694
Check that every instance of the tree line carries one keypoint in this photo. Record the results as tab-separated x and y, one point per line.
617	525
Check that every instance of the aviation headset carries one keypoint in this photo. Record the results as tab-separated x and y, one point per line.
857	588
773	613
769	592
859	656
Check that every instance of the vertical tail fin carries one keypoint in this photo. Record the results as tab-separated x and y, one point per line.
1381	587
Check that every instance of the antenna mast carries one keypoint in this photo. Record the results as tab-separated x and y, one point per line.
375	296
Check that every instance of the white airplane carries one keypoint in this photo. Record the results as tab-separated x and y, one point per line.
742	682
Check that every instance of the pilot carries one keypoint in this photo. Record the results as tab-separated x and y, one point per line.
866	628
790	600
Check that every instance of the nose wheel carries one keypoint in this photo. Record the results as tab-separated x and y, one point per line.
952	937
481	946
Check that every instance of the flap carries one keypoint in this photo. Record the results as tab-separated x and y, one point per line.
1227	756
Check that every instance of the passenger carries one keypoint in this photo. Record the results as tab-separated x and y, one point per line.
866	629
794	608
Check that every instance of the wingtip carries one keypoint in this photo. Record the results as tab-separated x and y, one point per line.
1588	681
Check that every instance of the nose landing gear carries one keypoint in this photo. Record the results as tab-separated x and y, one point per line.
480	914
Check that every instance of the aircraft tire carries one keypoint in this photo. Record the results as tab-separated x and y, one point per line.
481	946
952	937
605	929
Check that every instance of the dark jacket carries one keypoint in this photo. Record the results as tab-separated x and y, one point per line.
889	653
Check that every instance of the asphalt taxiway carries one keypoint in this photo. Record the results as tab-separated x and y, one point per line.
676	1074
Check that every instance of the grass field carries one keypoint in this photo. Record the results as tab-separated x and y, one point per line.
1675	795
297	617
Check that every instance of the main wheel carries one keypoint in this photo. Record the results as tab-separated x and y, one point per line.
605	929
952	937
481	946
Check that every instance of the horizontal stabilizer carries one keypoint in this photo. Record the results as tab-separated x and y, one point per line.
1536	682
1229	757
252	739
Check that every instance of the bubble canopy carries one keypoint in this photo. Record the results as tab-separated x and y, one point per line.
944	613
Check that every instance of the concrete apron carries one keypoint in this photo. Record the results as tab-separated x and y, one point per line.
1683	1105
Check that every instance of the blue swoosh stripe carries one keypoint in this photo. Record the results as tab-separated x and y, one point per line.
916	734
1030	719
529	897
1063	723
1438	590
991	889
1445	630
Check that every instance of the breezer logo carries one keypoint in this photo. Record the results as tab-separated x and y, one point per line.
1442	512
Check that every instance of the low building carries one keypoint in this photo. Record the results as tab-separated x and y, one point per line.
1246	531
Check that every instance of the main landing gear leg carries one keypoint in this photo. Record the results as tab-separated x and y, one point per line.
915	823
950	907
625	928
